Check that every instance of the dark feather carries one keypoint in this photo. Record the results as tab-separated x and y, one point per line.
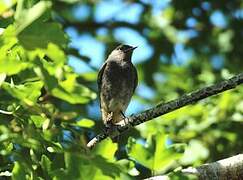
99	78
136	78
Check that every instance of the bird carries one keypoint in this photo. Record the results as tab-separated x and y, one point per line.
117	81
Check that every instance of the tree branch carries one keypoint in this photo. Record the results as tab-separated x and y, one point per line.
229	168
164	108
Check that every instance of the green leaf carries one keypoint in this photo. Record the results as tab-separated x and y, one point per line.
81	94
128	166
155	155
46	164
38	120
107	168
28	25
55	54
2	78
86	123
11	66
28	142
75	164
164	156
55	147
27	93
19	171
6	148
89	76
5	5
42	71
68	90
12	57
32	38
96	167
24	17
195	151
141	154
73	92
106	149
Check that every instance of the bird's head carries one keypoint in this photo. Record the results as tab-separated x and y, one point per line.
125	48
123	52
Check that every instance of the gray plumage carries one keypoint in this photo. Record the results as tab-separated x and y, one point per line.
117	81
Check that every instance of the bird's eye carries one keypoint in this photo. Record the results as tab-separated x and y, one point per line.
121	48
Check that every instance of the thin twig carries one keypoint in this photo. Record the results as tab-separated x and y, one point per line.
6	112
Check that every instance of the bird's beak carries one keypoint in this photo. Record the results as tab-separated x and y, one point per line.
132	48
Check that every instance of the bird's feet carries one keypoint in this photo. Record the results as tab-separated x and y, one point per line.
108	121
111	129
109	126
125	119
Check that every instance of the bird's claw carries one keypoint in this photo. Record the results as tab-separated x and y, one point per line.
125	119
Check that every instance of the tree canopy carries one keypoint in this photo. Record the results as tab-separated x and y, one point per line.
50	53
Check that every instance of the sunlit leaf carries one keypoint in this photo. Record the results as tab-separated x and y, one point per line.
32	38
68	90
195	151
24	17
89	76
11	66
38	120
155	155
87	123
5	5
7	41
55	54
128	166
109	170
2	78
28	92
6	148
55	148
79	166
46	164
19	171
72	92
106	149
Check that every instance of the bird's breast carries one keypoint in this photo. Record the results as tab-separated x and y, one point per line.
117	84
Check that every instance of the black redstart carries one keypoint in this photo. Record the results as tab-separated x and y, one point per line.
117	81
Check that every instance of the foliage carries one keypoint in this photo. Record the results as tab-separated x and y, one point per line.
46	107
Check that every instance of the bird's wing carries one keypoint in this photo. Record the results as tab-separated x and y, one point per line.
100	74
135	79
